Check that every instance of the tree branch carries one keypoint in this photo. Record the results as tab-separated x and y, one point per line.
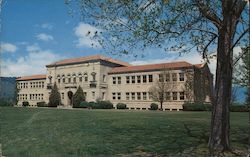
208	13
240	37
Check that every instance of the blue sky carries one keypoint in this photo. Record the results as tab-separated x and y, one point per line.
36	33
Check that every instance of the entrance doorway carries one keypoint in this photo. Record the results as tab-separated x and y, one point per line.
70	96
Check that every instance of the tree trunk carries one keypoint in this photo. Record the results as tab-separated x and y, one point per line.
220	125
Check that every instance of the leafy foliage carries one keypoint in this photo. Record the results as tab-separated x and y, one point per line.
121	106
78	97
153	106
96	105
197	107
25	103
55	97
42	104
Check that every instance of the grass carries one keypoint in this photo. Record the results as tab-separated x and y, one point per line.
40	132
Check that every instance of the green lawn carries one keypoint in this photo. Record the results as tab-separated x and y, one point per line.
43	132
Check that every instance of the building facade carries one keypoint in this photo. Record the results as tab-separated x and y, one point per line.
103	78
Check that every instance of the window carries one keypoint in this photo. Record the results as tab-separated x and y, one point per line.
119	80
127	96
167	77
167	96
138	79
133	79
181	76
93	95
144	78
133	96
114	96
103	95
150	95
127	79
93	76
174	77
138	96
63	80
174	95
69	80
119	96
103	78
86	77
182	96
114	80
150	78
74	79
144	94
62	95
80	79
161	78
50	79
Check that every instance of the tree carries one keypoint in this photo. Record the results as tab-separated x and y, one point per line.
78	97
161	89
181	25
55	97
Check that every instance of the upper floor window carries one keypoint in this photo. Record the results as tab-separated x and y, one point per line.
127	96
114	80
161	78
174	95
182	95
133	96
86	77
119	96
133	79
144	78
144	95
174	77
80	77
93	76
69	80
138	96
167	96
113	96
74	80
167	79
119	80
103	78
150	78
50	79
127	79
181	76
138	79
59	81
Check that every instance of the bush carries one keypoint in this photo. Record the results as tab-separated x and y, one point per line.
55	97
153	106
6	102
238	108
25	103
78	97
121	106
104	105
41	104
83	104
197	107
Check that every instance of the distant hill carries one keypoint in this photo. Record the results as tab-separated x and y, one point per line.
7	87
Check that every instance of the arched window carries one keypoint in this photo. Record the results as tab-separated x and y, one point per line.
80	77
58	79
69	78
63	78
85	77
74	77
93	76
50	79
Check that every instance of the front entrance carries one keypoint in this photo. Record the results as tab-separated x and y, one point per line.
70	98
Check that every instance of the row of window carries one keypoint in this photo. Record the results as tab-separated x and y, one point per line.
31	84
147	96
85	95
171	77
31	97
134	79
79	79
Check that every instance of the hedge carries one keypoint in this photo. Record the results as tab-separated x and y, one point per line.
41	104
96	105
238	108
197	107
153	106
121	106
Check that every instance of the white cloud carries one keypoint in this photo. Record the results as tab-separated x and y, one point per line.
44	37
47	26
33	63
8	47
85	34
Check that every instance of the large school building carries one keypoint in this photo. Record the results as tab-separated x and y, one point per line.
103	78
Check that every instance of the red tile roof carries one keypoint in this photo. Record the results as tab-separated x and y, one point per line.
32	77
87	58
150	67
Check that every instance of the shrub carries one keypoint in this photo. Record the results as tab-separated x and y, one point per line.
238	108
6	102
78	97
25	103
121	106
55	97
104	105
93	105
197	107
41	104
83	104
153	106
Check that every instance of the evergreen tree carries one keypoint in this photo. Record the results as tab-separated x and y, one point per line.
78	97
54	98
